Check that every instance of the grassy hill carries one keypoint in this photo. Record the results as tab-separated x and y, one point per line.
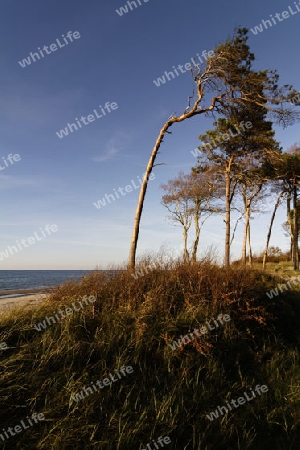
168	392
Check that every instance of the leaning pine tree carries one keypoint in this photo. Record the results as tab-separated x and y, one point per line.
227	81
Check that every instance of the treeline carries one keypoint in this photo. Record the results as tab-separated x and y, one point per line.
240	167
240	164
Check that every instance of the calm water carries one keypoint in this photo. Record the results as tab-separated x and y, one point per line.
11	280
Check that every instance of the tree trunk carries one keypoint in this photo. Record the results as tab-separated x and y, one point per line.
295	229
139	209
249	243
244	249
246	231
290	224
197	232
270	231
186	256
193	111
227	218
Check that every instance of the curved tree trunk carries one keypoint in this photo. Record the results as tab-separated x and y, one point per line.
193	111
139	209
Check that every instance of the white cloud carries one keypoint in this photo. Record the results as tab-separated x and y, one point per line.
113	147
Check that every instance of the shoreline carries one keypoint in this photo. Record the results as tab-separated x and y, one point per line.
28	298
20	292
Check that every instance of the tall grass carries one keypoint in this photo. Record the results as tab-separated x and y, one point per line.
170	392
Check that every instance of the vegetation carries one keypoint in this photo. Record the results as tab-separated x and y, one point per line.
191	197
169	392
240	163
230	86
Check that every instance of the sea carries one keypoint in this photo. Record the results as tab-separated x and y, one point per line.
13	280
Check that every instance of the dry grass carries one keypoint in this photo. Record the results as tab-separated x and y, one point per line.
169	393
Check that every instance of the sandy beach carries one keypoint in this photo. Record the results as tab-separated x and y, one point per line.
27	300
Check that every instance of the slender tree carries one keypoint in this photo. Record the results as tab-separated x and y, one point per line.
253	189
288	225
189	197
177	201
244	139
249	195
204	191
287	170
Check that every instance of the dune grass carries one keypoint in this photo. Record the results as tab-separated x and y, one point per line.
169	392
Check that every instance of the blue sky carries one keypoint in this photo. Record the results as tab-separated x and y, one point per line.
116	60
